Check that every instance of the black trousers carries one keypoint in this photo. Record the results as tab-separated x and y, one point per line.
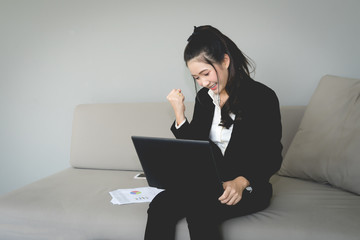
204	215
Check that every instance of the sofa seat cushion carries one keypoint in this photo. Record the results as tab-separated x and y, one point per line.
301	210
75	204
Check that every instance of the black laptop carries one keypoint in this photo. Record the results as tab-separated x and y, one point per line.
180	165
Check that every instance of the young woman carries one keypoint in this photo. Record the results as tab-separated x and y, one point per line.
241	118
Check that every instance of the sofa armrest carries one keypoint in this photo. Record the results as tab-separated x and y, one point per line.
291	117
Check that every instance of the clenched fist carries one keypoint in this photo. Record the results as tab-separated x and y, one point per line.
176	99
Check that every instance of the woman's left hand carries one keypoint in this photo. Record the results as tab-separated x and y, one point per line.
233	190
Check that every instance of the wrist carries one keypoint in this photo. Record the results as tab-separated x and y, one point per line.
180	118
243	182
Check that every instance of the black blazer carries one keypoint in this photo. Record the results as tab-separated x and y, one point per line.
254	150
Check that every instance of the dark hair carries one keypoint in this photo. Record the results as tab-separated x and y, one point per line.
210	46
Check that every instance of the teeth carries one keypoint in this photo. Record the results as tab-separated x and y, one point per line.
213	85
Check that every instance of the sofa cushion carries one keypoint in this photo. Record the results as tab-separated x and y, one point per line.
301	210
101	135
75	204
290	120
326	148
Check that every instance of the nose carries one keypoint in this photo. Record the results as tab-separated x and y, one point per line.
203	82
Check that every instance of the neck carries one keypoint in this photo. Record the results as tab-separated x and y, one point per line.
223	98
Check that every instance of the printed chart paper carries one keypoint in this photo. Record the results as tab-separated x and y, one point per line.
134	195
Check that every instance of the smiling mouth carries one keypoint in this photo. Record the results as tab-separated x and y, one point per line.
213	87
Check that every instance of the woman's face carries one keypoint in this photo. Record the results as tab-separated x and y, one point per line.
205	74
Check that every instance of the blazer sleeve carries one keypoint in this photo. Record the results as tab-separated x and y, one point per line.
198	128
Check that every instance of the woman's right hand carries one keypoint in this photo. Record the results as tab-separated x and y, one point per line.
176	99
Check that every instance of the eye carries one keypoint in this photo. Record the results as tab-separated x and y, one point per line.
206	74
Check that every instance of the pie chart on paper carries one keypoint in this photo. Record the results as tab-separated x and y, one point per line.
135	192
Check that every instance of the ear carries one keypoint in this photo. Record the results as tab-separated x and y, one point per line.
226	61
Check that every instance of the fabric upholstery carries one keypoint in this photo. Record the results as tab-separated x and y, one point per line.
101	136
75	204
290	120
301	210
326	146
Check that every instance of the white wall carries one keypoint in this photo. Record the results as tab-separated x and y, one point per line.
57	54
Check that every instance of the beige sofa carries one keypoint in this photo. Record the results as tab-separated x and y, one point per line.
75	203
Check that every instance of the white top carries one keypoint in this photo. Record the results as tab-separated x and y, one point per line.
219	134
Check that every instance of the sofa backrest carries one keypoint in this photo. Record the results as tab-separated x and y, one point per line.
291	117
101	135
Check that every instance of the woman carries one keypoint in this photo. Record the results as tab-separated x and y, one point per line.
241	118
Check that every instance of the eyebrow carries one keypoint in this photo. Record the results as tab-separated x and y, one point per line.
201	72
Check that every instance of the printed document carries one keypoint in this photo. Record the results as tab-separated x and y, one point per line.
134	195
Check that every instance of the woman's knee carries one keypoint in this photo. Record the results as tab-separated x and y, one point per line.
165	206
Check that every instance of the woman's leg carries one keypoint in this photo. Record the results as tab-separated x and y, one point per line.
163	215
204	225
205	219
202	219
